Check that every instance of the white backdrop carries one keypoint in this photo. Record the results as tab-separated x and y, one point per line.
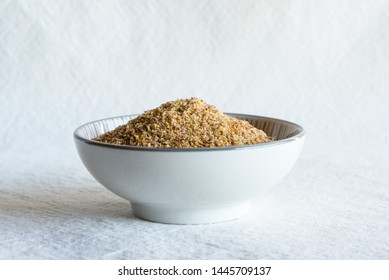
322	64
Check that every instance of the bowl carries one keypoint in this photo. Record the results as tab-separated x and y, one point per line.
191	185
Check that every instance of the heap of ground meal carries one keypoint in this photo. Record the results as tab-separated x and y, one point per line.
185	123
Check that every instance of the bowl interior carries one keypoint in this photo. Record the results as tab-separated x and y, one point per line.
277	128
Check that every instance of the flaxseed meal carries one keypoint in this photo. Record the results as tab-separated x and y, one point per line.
185	123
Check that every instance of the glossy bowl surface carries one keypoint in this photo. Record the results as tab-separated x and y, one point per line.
193	185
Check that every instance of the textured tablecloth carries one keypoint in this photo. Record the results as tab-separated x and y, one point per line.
322	64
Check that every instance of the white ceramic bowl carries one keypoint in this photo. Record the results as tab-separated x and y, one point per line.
190	186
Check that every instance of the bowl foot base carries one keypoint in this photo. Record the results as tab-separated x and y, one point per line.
185	215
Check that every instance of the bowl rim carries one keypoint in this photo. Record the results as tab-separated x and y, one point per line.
299	135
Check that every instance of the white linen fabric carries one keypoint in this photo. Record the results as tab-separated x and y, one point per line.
322	64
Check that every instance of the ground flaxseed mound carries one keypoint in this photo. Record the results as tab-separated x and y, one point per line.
185	123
